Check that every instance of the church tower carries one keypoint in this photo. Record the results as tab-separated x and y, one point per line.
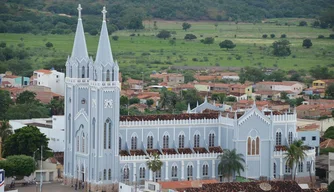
91	112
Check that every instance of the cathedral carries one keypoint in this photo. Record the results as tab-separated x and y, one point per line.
103	148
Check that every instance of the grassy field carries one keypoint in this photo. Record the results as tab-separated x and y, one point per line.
147	51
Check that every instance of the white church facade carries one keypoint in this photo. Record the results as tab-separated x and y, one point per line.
103	148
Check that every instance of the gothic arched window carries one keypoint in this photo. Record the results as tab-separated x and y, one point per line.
104	174
278	138
134	142
93	130
95	75
107	123
108	75
119	143
83	72
196	140
126	172
109	174
190	172
113	75
205	170
142	173
274	170
70	71
174	171
150	142
78	143
83	142
109	133
165	142
290	138
181	141
211	140
87	72
249	146
253	147
257	146
69	128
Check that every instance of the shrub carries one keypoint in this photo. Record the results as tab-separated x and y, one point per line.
283	36
264	36
115	38
331	36
195	59
302	23
321	36
272	35
190	36
48	44
132	34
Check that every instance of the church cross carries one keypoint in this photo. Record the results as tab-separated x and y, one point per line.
104	11
79	11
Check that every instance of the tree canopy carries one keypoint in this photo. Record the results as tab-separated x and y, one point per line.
186	26
228	44
231	162
281	48
208	40
18	165
164	34
25	141
307	43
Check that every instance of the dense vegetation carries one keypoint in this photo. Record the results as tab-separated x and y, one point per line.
36	16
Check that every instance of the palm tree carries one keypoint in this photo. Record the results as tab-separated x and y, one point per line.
294	155
154	164
231	162
5	131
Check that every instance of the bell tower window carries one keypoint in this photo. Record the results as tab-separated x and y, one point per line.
108	75
83	72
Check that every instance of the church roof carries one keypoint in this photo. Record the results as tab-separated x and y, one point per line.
79	50
205	106
104	55
170	117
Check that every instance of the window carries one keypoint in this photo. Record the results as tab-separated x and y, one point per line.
150	142
126	172
93	127
109	174
92	173
166	141
108	75
274	170
314	138
303	138
308	166
257	146
211	139
104	174
142	173
78	143
287	168
83	101
83	72
109	133
71	71
278	138
196	140
190	171
87	72
69	128
300	167
113	75
205	170
95	75
83	142
249	146
158	174
181	141
290	138
134	142
119	143
105	136
174	171
253	147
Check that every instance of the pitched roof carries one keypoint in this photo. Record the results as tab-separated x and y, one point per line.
134	81
258	186
240	86
309	127
45	71
286	83
328	143
10	76
79	50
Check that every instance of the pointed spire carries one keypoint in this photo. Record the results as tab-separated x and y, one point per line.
188	111
214	102
206	99
197	104
79	50
235	115
254	104
104	55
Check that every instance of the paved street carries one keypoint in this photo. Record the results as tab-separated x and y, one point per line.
48	187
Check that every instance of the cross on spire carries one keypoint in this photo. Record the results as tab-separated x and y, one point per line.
79	11
104	11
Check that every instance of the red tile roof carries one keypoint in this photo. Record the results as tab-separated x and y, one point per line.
309	127
328	143
170	117
45	71
286	83
11	76
184	184
134	81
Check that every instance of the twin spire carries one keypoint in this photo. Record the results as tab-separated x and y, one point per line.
79	52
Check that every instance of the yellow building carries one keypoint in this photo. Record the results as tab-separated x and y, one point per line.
319	86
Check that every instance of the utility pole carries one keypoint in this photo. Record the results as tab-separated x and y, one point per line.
41	181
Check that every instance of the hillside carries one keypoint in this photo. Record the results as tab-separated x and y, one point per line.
34	16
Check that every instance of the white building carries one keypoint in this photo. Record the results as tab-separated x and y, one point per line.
50	78
53	128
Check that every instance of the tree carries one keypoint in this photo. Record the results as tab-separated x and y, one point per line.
5	130
25	141
190	37
186	26
134	100
272	35
220	97
264	36
331	36
124	101
27	111
208	40
154	163
48	44
3	44
115	38
56	106
136	22
281	48
231	162
172	42
26	97
164	34
284	95
252	74
5	102
231	99
149	102
321	73
216	25
278	75
18	165
228	44
93	32
191	96
188	76
330	187
167	99
330	91
329	133
302	23
294	155
283	36
307	43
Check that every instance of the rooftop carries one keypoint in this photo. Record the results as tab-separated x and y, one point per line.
170	117
45	71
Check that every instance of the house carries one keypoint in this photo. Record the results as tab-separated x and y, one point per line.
310	135
172	79
43	94
180	87
240	89
319	86
230	76
134	84
49	78
206	78
314	111
10	80
268	95
292	86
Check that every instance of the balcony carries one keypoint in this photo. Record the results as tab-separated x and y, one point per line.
135	152
217	149
169	151
123	153
185	150
200	150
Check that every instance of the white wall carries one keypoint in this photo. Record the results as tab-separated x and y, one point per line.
124	188
56	134
55	80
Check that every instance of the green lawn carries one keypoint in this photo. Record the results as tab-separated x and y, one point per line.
251	49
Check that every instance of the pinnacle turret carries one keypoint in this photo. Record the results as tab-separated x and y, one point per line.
79	47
